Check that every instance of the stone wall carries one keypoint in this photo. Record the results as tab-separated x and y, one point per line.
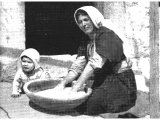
130	20
12	26
137	32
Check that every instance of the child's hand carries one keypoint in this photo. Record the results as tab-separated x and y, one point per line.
47	75
15	95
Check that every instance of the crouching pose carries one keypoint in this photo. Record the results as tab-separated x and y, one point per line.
29	70
102	56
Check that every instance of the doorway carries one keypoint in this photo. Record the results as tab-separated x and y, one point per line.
50	27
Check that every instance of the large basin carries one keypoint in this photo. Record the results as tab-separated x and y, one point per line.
34	86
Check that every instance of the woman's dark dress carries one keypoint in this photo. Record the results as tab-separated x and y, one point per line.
112	91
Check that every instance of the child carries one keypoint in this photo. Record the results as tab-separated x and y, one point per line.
29	70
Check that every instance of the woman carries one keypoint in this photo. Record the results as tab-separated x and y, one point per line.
102	58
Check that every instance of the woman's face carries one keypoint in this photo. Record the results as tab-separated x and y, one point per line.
27	64
85	24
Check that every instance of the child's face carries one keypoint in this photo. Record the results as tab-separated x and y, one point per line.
27	64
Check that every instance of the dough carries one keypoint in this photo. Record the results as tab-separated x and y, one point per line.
65	94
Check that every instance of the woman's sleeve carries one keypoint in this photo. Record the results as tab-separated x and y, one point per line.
79	64
109	46
96	61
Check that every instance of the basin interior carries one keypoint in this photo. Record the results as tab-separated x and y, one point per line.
37	86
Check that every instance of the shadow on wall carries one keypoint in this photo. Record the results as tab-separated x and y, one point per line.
7	71
8	63
50	61
10	52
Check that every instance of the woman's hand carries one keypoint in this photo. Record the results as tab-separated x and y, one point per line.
76	87
15	95
85	75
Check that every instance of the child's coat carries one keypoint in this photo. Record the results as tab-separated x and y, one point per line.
21	77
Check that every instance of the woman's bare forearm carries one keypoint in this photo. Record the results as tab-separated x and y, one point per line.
70	77
86	74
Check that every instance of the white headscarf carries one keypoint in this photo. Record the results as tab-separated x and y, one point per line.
96	17
33	55
98	20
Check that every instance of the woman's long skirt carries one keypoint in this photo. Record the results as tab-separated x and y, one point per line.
111	94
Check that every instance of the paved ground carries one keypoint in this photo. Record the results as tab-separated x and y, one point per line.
22	108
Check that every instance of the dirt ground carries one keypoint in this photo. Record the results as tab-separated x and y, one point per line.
22	107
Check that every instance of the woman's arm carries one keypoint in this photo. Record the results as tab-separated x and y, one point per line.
95	62
74	72
86	74
70	77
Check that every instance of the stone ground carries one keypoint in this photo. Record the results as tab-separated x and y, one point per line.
22	108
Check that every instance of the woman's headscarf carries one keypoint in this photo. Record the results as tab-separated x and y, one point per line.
96	17
33	54
99	20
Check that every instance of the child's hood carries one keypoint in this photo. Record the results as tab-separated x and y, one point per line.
33	55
